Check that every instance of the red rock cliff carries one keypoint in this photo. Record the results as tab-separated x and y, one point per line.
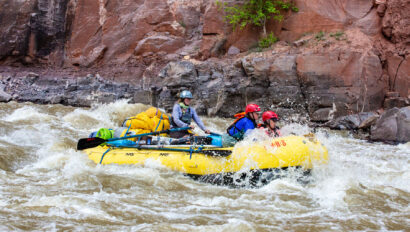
336	73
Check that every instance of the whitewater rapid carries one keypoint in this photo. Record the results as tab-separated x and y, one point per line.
47	185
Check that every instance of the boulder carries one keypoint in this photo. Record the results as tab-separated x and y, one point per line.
322	114
355	121
279	69
4	96
233	50
392	126
398	102
178	74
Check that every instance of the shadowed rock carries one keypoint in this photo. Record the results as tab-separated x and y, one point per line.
393	126
356	121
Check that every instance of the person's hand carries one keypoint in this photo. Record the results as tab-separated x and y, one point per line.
192	126
207	132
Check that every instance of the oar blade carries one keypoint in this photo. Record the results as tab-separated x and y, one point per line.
89	143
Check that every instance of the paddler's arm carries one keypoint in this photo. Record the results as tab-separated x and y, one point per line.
176	114
198	121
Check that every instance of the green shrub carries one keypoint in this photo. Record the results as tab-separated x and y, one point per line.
320	36
338	35
255	12
267	41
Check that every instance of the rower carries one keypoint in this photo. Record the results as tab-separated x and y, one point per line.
182	115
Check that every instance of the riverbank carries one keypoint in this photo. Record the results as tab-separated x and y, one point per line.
390	126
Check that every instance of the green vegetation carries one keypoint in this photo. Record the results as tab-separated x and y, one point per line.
267	41
320	36
182	24
255	12
338	35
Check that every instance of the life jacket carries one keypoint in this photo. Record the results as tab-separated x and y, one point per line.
274	133
186	117
239	133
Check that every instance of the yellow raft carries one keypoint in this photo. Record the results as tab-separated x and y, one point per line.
256	159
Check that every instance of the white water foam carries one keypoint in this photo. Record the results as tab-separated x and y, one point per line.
345	194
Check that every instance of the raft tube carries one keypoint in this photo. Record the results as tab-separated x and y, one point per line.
261	161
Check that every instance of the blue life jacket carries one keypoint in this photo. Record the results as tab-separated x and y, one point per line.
240	127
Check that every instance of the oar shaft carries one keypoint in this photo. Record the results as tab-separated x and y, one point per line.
151	133
207	152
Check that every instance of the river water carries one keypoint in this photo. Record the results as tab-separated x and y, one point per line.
47	185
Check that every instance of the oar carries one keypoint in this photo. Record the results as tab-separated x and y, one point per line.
206	152
93	142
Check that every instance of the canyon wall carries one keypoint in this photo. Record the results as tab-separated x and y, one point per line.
334	58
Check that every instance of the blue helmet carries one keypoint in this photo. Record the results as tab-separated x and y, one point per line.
185	94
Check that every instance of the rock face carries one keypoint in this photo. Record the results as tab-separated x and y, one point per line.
396	21
335	57
341	82
14	28
82	91
393	126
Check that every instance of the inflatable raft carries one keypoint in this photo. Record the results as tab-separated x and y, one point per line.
242	165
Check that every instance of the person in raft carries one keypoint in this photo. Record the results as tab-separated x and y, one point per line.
182	115
269	119
245	122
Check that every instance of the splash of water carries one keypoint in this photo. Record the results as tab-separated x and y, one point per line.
47	185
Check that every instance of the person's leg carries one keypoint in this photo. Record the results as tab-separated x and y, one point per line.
178	134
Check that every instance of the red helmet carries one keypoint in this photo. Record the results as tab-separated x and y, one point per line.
269	115
252	108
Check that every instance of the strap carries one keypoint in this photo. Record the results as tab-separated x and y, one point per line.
160	119
102	157
128	129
